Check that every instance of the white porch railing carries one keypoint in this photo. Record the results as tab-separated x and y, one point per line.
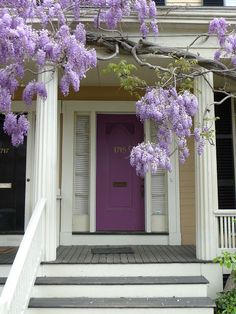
226	229
16	292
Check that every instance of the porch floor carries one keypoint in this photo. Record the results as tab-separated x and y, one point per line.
142	254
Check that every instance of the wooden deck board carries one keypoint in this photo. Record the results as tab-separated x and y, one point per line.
142	254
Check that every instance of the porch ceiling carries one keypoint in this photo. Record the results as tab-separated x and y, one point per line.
97	77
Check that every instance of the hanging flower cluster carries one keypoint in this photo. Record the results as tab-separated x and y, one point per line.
172	114
16	127
40	31
227	40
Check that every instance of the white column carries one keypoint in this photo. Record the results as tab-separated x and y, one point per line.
148	184
174	202
206	178
46	158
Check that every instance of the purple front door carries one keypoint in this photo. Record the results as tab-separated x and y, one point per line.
120	192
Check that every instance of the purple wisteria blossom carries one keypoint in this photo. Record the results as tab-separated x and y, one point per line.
32	89
227	39
16	128
149	156
61	45
172	114
219	26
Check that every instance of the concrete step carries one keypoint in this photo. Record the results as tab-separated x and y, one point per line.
121	305
114	287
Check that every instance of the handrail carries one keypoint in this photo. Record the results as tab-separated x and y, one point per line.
16	292
225	212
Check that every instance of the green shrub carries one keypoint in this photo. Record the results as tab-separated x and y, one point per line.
226	302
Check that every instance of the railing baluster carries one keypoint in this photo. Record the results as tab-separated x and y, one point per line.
221	233
226	229
233	221
229	232
225	233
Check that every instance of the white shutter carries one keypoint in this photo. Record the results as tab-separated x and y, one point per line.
81	165
159	186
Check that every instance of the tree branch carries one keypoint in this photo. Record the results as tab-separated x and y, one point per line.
144	47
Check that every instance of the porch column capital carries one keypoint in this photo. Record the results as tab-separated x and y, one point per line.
46	157
206	176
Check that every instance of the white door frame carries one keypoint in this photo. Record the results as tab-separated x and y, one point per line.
92	108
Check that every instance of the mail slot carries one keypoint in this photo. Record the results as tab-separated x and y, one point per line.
120	184
5	185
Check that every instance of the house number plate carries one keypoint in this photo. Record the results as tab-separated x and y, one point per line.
5	185
120	184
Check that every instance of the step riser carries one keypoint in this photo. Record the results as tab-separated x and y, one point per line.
4	270
119	270
117	291
122	311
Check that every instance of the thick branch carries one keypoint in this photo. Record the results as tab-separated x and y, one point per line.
147	48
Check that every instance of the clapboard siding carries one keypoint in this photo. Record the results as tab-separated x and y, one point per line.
159	189
187	198
81	166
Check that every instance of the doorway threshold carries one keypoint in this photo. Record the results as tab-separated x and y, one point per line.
114	238
120	233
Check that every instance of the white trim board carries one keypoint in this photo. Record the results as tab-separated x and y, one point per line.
233	111
92	108
127	239
10	239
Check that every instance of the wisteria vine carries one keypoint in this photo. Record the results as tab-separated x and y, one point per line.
40	31
172	113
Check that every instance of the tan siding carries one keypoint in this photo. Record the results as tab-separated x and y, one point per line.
90	93
184	2
187	199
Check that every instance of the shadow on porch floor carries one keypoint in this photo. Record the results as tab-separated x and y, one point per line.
141	254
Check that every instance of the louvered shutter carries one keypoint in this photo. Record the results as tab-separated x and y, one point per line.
81	165
159	187
225	158
213	3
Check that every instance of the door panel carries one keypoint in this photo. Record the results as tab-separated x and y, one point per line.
120	194
12	184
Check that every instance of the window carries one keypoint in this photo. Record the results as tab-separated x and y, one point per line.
219	3
225	154
160	2
215	3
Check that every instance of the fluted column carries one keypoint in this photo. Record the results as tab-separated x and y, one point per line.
206	177
46	158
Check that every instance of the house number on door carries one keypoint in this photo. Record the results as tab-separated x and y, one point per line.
122	149
119	149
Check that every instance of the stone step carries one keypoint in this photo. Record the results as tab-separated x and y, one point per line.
165	286
121	305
